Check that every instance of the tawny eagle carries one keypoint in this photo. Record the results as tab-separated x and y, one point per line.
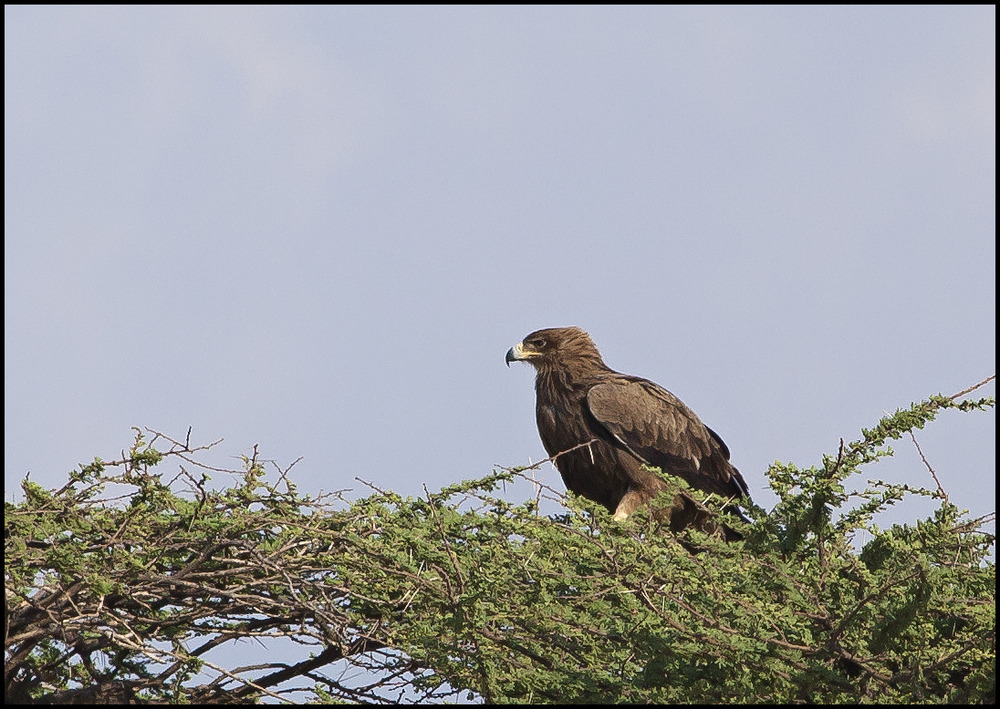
602	427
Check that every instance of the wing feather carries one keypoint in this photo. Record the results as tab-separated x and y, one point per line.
659	429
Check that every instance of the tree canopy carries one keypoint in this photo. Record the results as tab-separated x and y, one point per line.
139	582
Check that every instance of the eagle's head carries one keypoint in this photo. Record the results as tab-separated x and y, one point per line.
555	347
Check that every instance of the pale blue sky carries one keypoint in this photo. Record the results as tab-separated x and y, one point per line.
320	229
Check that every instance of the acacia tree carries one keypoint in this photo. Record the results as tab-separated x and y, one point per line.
128	585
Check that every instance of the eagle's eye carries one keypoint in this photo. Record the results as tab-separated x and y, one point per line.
537	343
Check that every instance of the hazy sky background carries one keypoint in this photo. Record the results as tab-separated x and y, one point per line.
319	229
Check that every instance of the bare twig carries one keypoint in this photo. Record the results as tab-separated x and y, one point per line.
973	387
926	463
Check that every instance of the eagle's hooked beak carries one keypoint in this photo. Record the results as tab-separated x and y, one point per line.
515	353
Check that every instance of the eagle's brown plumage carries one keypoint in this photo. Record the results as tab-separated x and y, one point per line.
632	422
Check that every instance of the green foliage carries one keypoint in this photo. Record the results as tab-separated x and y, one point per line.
463	595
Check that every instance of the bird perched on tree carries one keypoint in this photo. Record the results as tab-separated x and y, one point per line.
602	427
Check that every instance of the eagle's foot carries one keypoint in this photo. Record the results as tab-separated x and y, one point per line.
627	505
